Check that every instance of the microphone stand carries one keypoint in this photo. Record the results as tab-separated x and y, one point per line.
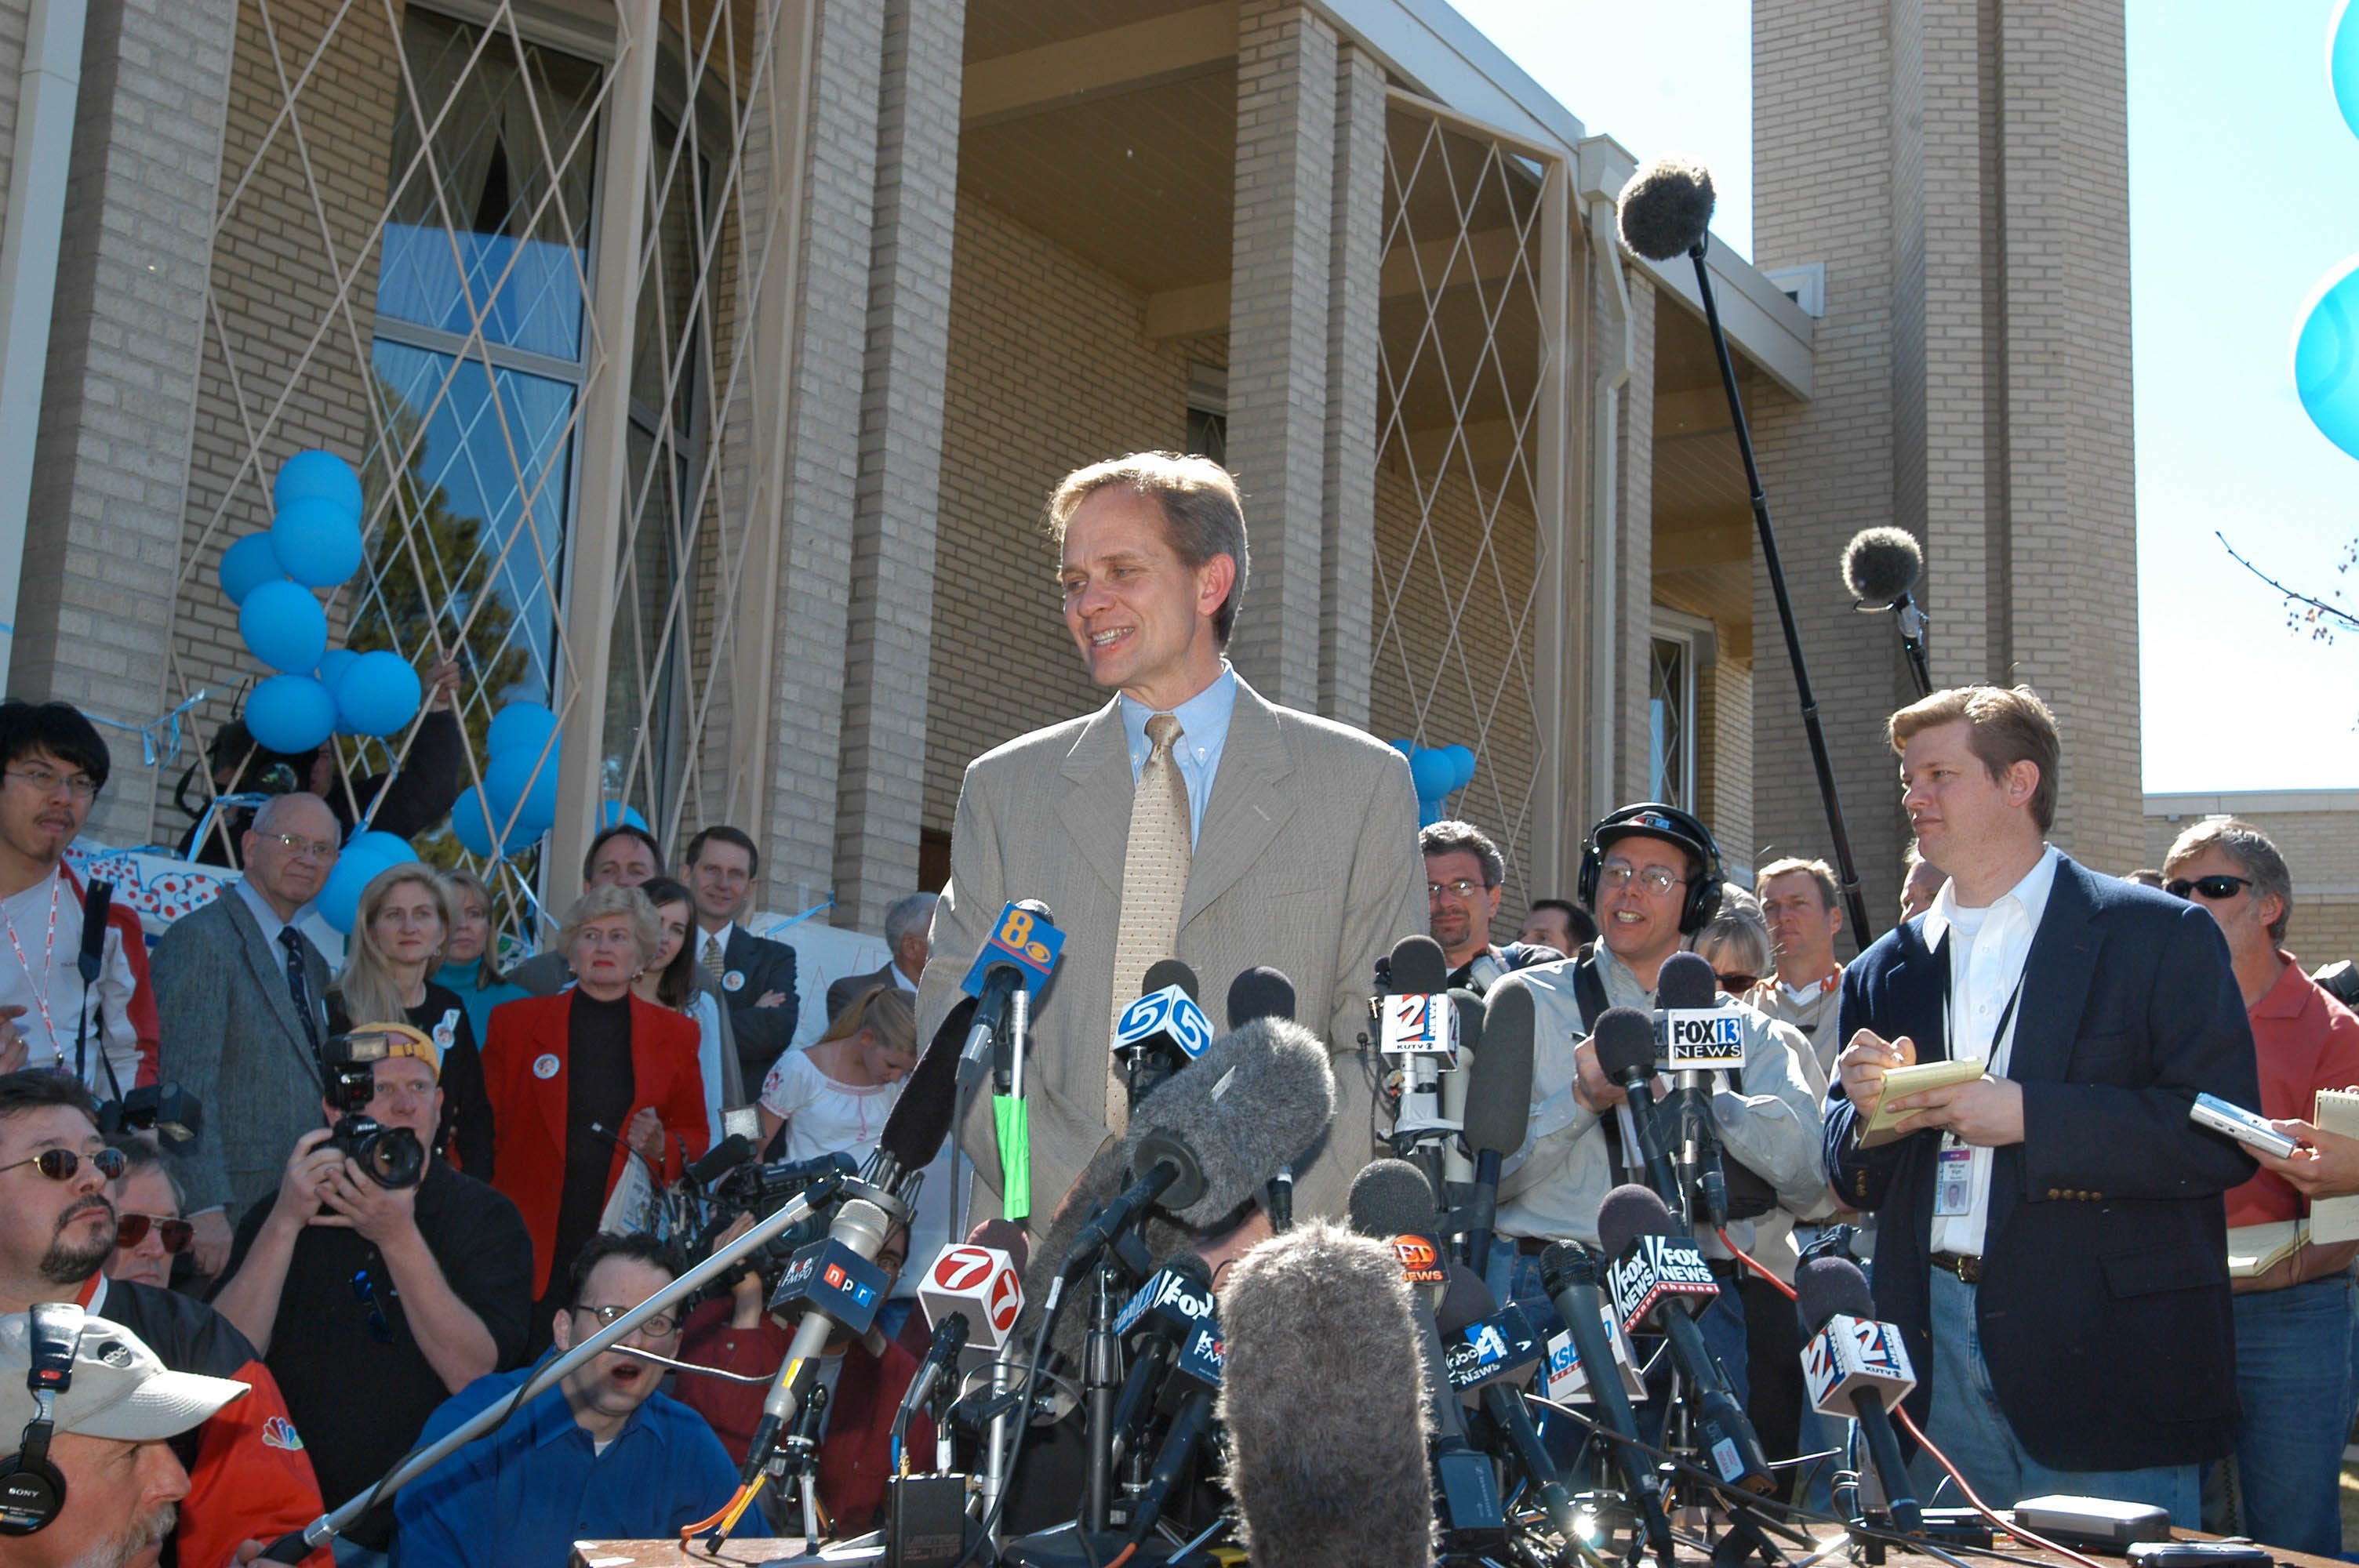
1910	618
296	1546
1847	871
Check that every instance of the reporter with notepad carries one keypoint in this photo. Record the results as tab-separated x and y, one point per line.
2294	1318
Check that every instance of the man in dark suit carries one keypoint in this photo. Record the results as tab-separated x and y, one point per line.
239	992
1464	874
757	976
2053	1245
909	931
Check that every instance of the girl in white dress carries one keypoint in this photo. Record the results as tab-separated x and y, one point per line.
832	1096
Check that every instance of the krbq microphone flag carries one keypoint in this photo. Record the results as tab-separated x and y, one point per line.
1030	944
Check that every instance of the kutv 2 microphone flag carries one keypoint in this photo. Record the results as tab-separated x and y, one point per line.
1171	1011
980	1281
1022	939
1851	1354
1655	1267
1419	1024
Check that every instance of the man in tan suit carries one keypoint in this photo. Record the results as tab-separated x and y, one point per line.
1245	833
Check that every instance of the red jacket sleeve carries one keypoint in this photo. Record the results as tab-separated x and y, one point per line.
144	1023
252	1480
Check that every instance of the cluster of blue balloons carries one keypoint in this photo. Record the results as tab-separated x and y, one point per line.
369	855
519	788
1437	772
2326	344
313	541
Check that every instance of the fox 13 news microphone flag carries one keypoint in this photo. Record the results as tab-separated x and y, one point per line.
1701	1039
1005	978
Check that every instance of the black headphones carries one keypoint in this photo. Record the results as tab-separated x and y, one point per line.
32	1492
1660	821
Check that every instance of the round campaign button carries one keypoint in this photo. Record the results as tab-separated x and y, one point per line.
734	981
545	1066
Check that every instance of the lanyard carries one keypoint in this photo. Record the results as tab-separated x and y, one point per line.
48	954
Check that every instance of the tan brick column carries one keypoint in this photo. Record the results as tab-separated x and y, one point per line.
1348	512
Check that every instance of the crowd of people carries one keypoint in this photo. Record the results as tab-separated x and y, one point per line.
262	1320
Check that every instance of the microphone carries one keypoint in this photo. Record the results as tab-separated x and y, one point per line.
1018	955
836	1282
1175	1301
1259	992
1419	1028
1391	1201
1498	1105
1324	1405
980	1284
1856	1367
1491	1347
1624	1038
1569	1274
97	900
1658	1276
1881	568
1666	210
719	1159
941	1357
1163	1031
1699	1038
1188	1323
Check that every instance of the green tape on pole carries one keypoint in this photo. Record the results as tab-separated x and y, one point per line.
1015	1157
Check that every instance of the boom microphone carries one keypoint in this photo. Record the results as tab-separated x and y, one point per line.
97	900
1659	1277
1498	1105
919	1121
1569	1274
1856	1367
1324	1401
1624	1038
720	1158
1881	565
1666	210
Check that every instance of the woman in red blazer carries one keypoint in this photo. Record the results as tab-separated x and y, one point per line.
574	1078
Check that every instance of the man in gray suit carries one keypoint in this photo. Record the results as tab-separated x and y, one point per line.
241	994
1187	819
906	926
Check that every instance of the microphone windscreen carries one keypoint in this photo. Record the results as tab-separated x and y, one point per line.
1323	1399
1879	564
1625	1041
1566	1264
1687	981
1499	1084
1665	208
1166	972
1036	910
1470	1019
1417	967
1826	1286
919	1121
1389	1198
97	901
1467	1300
1259	992
725	1156
1256	1099
1631	1210
1006	1236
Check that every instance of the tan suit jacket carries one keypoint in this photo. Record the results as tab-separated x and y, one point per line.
1307	861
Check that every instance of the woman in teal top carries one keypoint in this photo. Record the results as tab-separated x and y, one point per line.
470	965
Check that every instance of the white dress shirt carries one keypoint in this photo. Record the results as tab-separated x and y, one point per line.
1990	948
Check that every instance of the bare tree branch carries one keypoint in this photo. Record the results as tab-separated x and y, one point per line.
2323	617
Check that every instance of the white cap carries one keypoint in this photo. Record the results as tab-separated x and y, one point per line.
119	1389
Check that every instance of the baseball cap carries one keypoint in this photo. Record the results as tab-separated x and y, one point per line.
119	1389
1640	821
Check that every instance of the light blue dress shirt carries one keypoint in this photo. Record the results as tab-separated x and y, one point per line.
1203	735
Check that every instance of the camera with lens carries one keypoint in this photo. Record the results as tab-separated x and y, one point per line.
392	1156
167	1110
761	1189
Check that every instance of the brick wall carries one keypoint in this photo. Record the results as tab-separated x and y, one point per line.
2317	831
15	20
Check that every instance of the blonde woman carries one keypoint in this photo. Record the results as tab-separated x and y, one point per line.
471	966
403	920
832	1096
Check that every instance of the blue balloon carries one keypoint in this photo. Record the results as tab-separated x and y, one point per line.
1406	748
2326	358
523	783
1430	771
316	542
1462	763
247	564
284	627
388	849
2343	62
470	825
290	713
340	896
316	475
614	811
378	694
519	724
333	666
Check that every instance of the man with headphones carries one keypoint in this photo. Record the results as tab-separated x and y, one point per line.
86	1472
1651	875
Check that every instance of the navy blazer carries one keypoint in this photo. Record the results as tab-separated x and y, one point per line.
758	966
2104	1304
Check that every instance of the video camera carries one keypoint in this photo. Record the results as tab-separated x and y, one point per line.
392	1156
761	1188
167	1110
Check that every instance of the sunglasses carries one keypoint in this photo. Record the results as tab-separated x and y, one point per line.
1738	982
131	1228
2211	888
60	1164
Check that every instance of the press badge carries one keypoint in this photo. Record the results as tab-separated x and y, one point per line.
1953	1179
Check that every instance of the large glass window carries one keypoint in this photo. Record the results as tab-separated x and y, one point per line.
1670	710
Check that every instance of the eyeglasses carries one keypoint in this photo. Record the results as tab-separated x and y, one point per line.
297	844
131	1228
1655	879
2210	888
1464	887
81	786
1738	982
656	1327
364	1293
60	1164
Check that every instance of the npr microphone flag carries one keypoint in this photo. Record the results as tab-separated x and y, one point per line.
837	1282
1020	938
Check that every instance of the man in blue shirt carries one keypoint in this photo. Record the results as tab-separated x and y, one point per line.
599	1455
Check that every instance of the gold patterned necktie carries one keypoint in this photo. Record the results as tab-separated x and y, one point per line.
715	964
1154	884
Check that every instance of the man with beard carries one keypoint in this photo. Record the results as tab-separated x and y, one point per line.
106	1434
249	1479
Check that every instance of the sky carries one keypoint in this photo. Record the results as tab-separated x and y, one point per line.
2244	195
